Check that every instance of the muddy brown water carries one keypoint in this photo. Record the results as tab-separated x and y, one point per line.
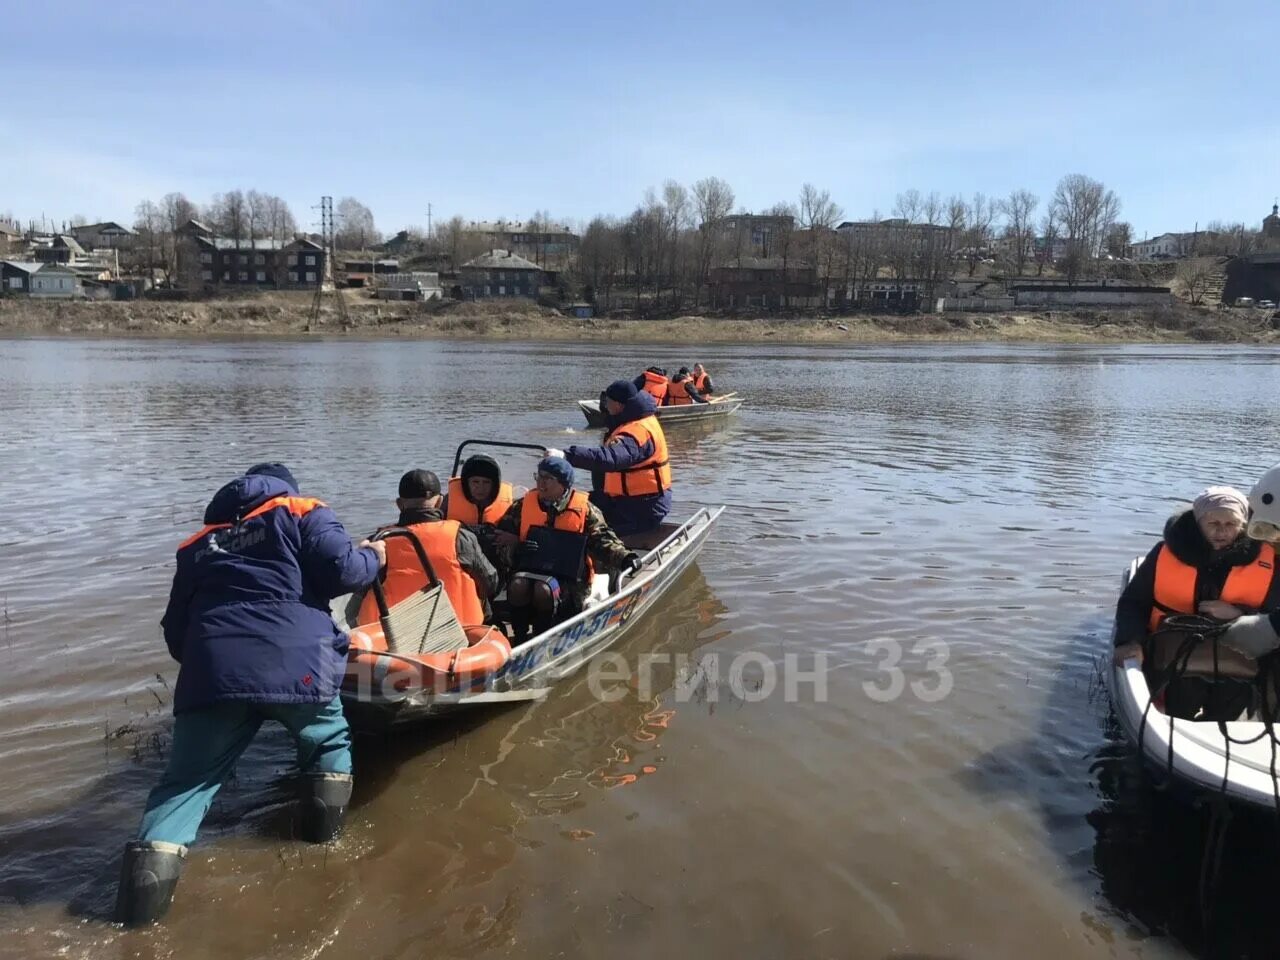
945	525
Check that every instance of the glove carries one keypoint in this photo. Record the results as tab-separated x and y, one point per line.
1252	635
632	564
553	452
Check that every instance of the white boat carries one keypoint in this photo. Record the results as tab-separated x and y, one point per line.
1237	758
373	699
682	413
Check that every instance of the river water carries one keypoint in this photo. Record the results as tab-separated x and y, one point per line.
942	528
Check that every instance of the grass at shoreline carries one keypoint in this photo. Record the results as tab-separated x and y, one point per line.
284	315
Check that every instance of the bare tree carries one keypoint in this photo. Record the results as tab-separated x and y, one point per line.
1019	210
279	219
1050	231
356	228
1085	210
784	234
149	225
907	205
817	208
229	215
979	217
713	201
599	256
1195	277
1118	240
255	214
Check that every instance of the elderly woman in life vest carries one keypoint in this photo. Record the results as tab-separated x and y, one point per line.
1205	565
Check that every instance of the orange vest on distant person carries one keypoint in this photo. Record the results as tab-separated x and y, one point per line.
700	382
677	395
464	511
651	476
405	576
1175	587
655	384
572	519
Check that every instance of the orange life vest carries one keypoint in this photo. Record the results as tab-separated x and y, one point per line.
572	519
649	477
464	511
405	576
677	395
1175	587
655	384
298	506
700	383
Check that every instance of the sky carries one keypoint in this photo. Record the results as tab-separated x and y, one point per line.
500	109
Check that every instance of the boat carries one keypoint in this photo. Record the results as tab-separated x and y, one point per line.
683	413
1238	759
384	689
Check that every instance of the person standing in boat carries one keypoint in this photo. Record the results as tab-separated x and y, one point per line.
631	474
1204	565
248	621
453	551
653	382
553	574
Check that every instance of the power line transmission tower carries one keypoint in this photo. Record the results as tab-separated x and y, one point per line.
324	278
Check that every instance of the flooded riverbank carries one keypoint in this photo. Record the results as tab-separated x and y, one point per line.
944	524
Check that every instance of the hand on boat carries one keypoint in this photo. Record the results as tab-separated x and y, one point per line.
1128	651
1252	635
1220	610
553	452
632	564
379	547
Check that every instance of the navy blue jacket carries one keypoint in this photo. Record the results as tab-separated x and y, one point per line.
624	514
248	616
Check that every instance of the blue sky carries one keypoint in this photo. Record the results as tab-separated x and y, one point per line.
500	109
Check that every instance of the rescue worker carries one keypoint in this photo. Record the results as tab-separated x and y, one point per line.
630	471
467	576
702	381
653	382
478	496
681	391
540	599
248	621
1207	566
1257	634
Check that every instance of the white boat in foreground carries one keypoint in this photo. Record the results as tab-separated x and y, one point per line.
1236	758
374	698
683	413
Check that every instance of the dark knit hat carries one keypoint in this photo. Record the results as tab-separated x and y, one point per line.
557	467
620	391
277	470
418	485
481	465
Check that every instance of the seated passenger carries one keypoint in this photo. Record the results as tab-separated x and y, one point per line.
553	572
455	556
478	496
653	382
1206	566
702	381
682	391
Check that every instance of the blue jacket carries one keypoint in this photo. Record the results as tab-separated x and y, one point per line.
248	615
624	514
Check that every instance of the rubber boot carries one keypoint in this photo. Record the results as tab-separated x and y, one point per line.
148	878
324	805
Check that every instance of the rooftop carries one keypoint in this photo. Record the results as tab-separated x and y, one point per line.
501	260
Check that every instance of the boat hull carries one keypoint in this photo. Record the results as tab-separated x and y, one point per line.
685	413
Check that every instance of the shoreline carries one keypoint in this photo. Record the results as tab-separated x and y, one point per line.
288	317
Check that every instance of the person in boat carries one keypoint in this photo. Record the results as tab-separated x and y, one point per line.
466	574
682	390
702	381
1204	565
248	621
553	571
478	497
631	474
1258	634
653	382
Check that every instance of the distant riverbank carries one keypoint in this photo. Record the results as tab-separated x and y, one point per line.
290	315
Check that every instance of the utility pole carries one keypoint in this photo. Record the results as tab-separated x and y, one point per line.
428	221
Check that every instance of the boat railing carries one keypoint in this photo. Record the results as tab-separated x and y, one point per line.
677	540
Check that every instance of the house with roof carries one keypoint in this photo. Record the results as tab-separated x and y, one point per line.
208	260
499	273
61	248
528	239
15	276
109	234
